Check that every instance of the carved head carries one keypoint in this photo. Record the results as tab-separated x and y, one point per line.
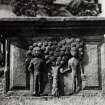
37	52
73	51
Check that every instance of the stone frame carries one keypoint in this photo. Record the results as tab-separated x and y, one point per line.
75	25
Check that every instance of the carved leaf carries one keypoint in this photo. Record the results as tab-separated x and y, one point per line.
57	54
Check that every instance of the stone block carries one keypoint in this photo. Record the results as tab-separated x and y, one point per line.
90	63
17	67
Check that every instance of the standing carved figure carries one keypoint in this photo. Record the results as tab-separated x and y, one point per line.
74	65
37	67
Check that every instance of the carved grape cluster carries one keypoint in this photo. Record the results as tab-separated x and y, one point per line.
57	53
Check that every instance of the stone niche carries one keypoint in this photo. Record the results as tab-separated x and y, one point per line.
91	65
92	60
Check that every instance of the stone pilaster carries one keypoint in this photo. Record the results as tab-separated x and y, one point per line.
103	66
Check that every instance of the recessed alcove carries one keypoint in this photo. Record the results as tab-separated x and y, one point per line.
19	33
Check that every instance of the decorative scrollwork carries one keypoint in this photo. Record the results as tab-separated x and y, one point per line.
49	8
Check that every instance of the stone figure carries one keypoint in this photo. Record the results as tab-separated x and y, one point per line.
74	65
37	68
50	60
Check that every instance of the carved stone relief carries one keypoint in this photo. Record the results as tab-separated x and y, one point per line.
62	59
54	8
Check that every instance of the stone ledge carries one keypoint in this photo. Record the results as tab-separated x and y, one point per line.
73	18
53	23
27	95
96	25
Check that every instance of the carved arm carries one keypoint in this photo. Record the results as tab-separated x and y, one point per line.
64	71
83	76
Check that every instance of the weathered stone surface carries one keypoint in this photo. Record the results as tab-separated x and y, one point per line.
91	65
68	89
17	66
18	76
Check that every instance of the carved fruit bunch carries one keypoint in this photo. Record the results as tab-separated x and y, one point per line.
57	53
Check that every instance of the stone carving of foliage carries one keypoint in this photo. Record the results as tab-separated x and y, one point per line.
84	8
57	53
48	8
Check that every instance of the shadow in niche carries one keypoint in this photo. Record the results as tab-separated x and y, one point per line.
20	43
18	88
61	84
27	79
85	62
85	58
92	88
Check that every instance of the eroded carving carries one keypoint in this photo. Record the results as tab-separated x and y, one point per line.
36	67
61	56
74	65
52	8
